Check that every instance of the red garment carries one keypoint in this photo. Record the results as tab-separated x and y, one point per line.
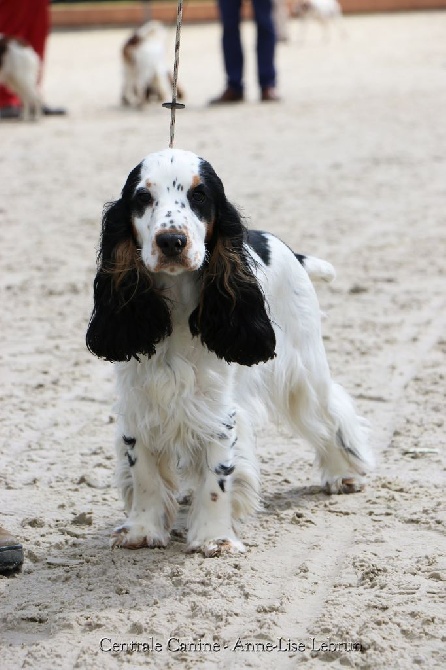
30	20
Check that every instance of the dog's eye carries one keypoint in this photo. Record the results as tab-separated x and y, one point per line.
143	197
198	195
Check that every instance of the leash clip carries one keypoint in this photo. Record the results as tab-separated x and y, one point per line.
173	105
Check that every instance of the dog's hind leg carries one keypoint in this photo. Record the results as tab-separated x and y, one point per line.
346	456
301	389
324	414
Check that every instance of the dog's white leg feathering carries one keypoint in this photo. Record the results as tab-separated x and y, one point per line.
210	527
324	414
246	478
148	485
347	456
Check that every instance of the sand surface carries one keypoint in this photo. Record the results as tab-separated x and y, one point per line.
350	167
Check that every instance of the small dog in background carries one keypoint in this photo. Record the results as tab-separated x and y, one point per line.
325	12
146	75
19	71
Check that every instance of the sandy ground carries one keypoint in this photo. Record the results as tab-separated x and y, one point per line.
350	167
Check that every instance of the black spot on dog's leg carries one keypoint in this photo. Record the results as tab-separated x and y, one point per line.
131	459
130	442
224	470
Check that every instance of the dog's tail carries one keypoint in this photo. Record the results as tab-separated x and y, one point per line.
317	268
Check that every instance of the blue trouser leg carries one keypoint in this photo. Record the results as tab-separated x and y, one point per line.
232	44
266	42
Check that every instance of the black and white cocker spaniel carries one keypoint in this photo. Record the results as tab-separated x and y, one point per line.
212	328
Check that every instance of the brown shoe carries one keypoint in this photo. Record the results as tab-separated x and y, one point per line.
11	553
228	96
269	95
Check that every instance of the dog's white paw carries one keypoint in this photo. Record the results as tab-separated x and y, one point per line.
217	547
344	485
136	536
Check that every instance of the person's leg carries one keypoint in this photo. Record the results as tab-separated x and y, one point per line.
266	43
38	26
231	41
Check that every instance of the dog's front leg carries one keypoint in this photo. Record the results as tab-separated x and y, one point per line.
210	519
150	496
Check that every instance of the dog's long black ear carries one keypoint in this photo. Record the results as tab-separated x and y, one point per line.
129	316
231	318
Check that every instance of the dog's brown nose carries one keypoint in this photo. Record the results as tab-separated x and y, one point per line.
171	244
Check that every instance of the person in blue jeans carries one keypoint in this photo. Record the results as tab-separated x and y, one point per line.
230	11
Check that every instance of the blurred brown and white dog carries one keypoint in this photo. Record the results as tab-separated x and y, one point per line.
325	12
19	71
146	74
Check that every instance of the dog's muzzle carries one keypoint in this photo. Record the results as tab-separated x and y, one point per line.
171	244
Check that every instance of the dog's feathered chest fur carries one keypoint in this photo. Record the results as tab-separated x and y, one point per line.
182	394
180	399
